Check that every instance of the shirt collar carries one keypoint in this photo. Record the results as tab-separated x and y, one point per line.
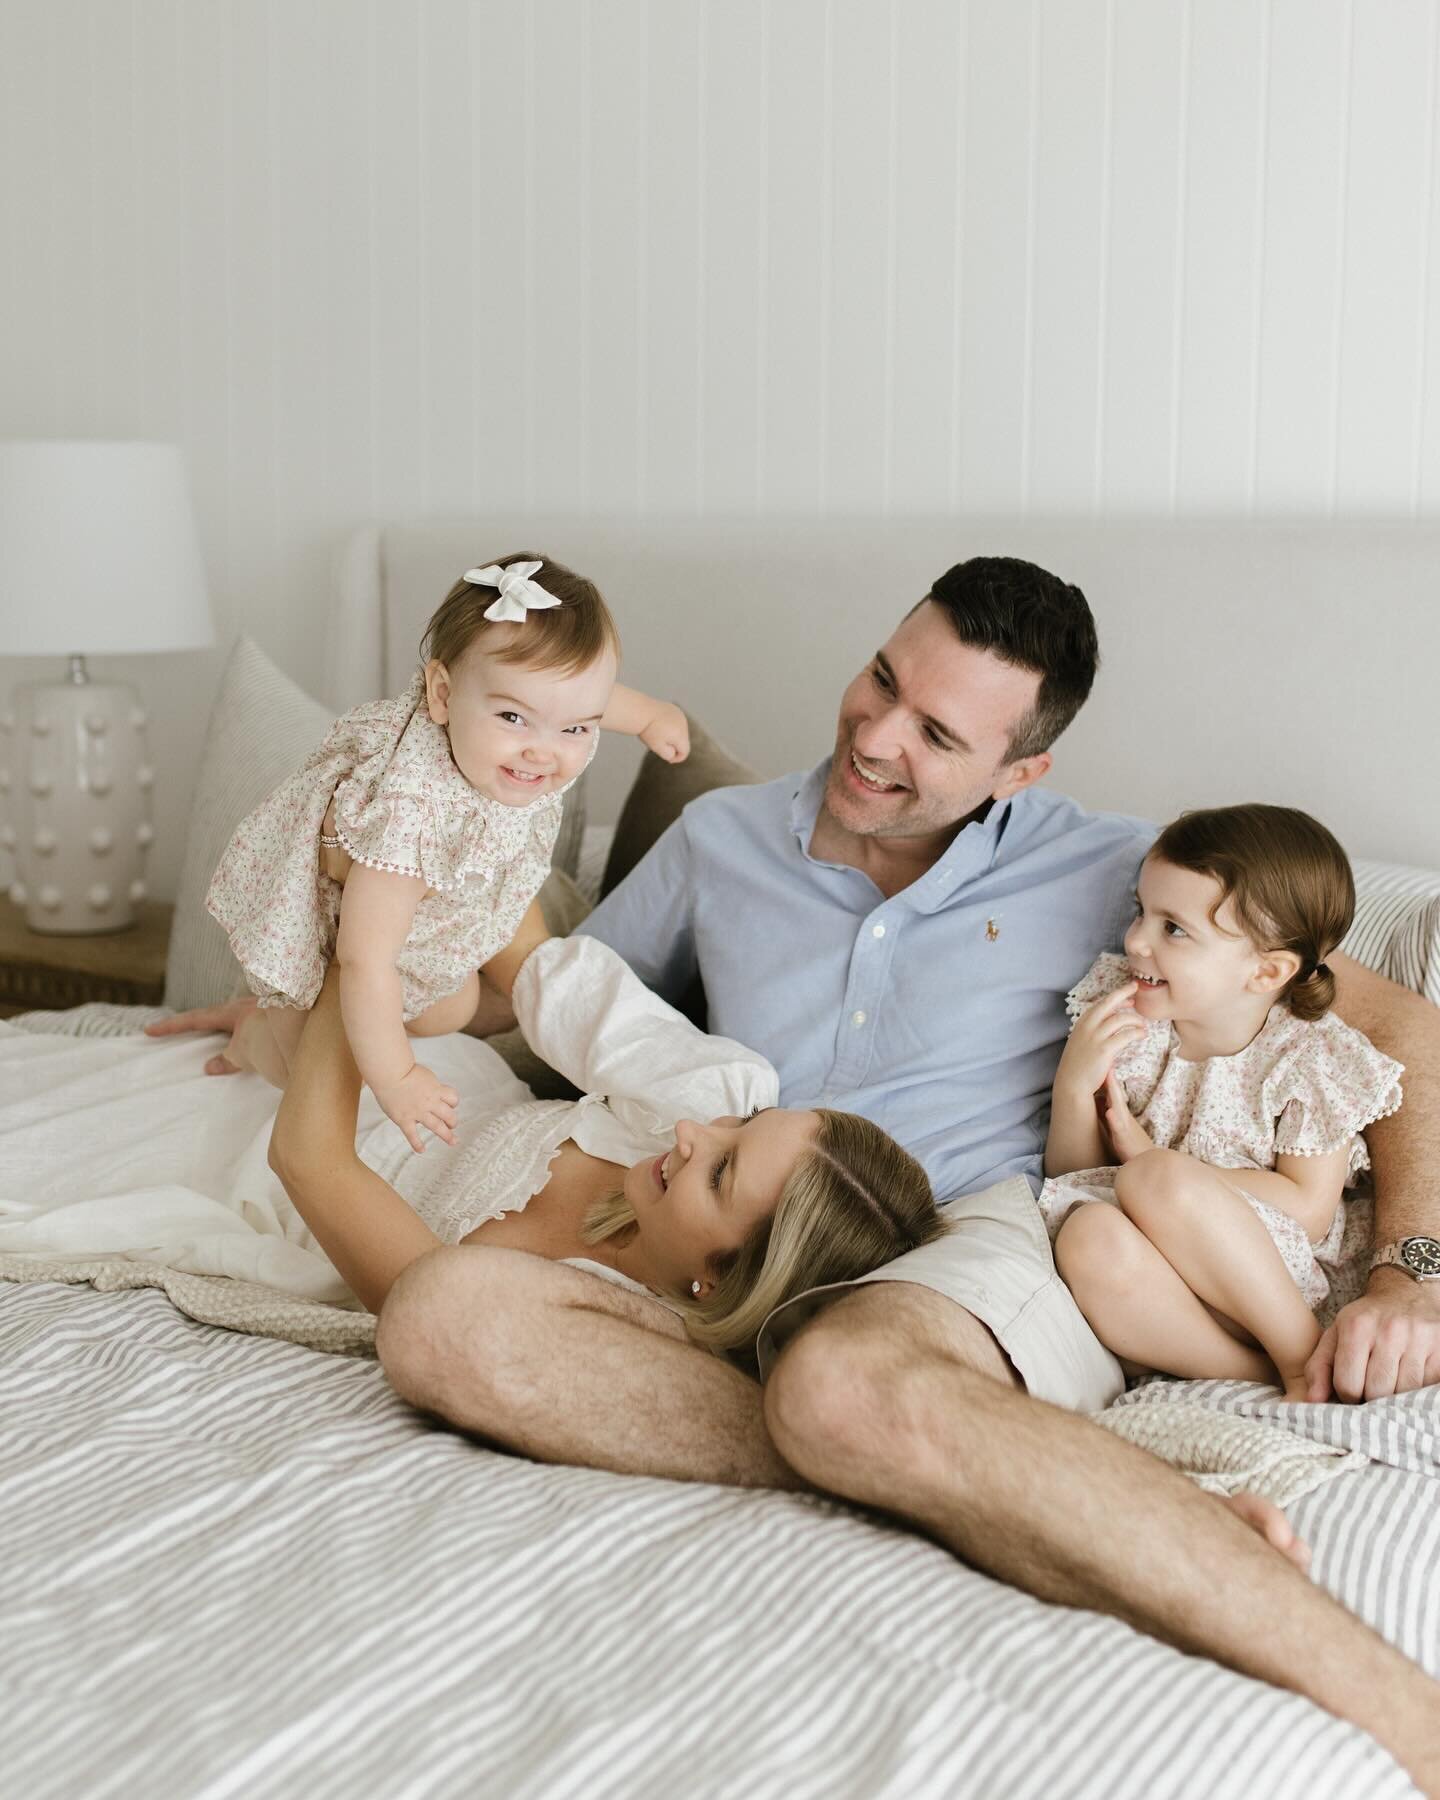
972	851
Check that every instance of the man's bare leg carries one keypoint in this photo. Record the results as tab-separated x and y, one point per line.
884	1399
567	1367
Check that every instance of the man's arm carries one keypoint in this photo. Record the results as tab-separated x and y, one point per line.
1388	1341
649	919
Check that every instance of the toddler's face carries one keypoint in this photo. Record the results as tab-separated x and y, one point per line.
1190	966
517	733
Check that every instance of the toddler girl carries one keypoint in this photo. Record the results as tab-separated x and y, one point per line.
438	812
1233	1100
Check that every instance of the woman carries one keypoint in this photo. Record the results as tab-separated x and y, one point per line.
684	1180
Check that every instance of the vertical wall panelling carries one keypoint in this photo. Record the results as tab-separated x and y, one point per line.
500	114
448	340
612	429
997	166
1304	180
1391	141
554	124
29	181
1222	168
251	563
1140	291
115	295
371	259
1065	333
673	264
795	234
401	279
921	296
861	100
1426	427
325	287
731	196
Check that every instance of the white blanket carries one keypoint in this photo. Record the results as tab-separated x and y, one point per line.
117	1145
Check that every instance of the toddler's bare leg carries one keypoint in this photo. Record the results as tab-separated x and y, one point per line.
1212	1237
252	1046
453	1013
1140	1308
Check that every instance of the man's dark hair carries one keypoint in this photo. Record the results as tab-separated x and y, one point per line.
1028	617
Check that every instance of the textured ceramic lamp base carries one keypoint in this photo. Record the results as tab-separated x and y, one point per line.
80	785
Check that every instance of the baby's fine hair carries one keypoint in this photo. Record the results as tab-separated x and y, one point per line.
567	637
1290	882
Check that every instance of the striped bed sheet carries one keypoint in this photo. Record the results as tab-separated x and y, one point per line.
237	1566
240	1566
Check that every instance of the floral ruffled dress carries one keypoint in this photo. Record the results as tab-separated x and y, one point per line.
1299	1088
401	804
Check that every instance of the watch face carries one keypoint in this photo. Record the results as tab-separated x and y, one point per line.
1422	1254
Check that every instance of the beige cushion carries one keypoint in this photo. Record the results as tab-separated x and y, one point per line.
662	791
261	729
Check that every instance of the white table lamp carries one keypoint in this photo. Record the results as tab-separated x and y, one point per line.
98	557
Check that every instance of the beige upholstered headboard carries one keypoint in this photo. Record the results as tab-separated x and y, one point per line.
1294	663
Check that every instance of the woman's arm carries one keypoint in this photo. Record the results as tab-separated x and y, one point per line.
362	1224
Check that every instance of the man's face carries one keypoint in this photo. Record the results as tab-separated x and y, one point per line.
923	732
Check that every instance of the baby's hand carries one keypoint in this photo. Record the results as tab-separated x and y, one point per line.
1128	1137
420	1098
668	733
1101	1033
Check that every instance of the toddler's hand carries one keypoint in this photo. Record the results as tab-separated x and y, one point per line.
668	734
420	1099
1128	1137
1101	1032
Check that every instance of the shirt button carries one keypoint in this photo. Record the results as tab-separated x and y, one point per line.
877	931
857	1018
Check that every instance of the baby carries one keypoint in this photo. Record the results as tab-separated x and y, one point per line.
435	814
1233	1100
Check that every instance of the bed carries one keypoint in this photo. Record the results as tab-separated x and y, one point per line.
239	1564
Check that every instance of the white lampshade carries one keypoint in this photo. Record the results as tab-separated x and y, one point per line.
98	551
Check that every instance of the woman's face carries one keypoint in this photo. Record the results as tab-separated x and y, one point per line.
709	1193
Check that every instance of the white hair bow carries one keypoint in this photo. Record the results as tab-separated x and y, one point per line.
518	593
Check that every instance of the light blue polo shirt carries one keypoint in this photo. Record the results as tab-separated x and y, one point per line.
940	1012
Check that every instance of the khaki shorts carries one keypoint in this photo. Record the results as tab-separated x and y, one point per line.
996	1263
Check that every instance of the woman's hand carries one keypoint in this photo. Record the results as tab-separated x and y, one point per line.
668	733
420	1099
1101	1032
1128	1137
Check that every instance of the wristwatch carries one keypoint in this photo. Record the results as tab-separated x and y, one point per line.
1417	1256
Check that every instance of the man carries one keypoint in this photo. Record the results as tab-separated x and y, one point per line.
895	932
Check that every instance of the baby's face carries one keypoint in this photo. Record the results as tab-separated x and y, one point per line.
517	733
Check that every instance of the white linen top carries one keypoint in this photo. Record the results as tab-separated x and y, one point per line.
123	1146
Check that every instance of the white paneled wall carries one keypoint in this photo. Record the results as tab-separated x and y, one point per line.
370	258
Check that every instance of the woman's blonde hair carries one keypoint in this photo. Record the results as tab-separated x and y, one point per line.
853	1200
1290	882
567	637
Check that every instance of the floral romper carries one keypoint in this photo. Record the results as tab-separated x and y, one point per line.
1299	1088
400	804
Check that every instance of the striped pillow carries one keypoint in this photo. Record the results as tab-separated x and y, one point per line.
1397	925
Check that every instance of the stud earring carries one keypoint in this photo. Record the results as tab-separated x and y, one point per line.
695	1289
